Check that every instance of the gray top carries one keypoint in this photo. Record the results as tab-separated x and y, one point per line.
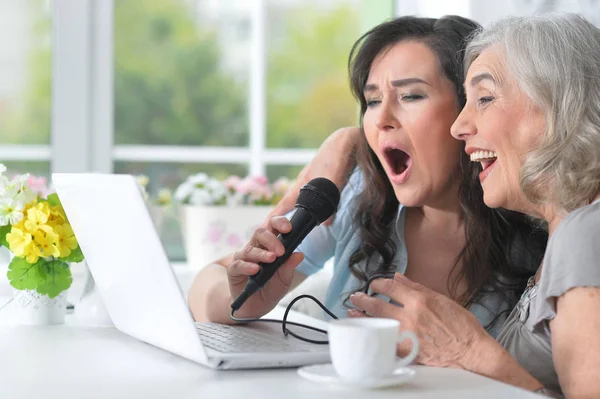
571	260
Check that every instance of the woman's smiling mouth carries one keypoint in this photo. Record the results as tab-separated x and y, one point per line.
487	160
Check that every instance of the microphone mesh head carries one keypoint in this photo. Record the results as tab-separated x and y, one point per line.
319	196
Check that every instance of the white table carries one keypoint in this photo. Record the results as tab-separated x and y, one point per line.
76	361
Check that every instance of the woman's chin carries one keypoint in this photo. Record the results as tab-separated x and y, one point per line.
493	201
408	197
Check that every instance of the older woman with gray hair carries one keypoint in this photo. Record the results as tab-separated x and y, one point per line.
532	120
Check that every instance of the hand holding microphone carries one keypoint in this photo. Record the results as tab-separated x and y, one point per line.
262	272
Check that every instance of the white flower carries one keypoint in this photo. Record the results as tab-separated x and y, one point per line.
2	168
26	195
214	185
199	179
19	189
200	197
183	192
11	211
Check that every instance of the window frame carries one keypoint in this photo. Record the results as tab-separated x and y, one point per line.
82	126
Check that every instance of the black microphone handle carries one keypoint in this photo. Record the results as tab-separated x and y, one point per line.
303	221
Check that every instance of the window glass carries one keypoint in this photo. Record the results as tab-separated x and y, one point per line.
181	72
308	94
25	71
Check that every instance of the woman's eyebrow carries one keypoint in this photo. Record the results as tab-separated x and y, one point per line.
396	83
482	76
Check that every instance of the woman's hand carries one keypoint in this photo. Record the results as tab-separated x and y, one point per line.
334	160
448	334
264	246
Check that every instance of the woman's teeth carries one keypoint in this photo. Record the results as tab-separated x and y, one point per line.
480	156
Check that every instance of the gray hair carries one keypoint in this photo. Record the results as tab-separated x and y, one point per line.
555	58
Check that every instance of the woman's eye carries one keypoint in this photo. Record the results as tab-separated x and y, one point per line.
412	97
372	103
485	100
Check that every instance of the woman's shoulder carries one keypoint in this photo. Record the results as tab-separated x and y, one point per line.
349	199
576	238
355	185
571	259
578	223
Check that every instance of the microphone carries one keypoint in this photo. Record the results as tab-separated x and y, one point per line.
317	201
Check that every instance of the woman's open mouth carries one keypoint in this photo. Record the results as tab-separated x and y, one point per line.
487	160
398	164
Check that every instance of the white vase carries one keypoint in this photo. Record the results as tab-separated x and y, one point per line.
32	308
212	232
90	309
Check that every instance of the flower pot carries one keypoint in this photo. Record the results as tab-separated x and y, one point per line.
212	232
32	308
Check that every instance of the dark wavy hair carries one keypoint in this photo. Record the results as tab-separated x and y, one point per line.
503	248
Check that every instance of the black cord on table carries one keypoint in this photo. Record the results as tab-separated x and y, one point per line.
285	323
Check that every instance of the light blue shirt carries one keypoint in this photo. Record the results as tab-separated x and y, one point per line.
340	240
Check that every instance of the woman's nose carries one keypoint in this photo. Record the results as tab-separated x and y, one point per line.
386	120
463	127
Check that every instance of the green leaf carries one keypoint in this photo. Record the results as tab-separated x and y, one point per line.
4	230
54	200
58	279
24	275
75	256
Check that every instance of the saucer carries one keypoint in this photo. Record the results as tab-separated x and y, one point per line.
325	373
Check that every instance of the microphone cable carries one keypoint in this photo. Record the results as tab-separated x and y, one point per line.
284	323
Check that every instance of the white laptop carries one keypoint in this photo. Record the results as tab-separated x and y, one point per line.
125	256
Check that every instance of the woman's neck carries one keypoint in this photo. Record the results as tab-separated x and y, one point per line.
445	211
446	218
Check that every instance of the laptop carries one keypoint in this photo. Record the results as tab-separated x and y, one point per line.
123	251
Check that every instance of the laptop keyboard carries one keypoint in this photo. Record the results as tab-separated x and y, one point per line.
224	338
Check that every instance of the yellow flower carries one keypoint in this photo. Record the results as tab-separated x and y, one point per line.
57	216
66	240
32	253
18	241
43	207
35	219
46	240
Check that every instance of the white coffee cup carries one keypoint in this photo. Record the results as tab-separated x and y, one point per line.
365	348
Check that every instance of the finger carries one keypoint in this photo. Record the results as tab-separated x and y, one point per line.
280	224
356	313
375	307
240	268
294	260
403	348
266	239
254	254
400	288
285	205
286	271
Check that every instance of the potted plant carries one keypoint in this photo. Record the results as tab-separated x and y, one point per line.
219	216
35	229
